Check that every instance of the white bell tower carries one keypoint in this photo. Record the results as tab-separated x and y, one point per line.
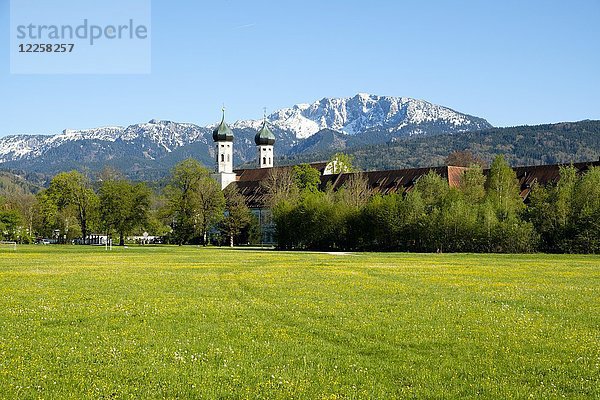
223	138
265	140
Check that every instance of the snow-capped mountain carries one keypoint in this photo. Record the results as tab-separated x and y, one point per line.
362	119
364	112
152	137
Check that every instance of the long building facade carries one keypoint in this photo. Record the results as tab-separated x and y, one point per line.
251	182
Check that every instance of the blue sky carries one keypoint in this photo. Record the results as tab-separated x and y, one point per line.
511	62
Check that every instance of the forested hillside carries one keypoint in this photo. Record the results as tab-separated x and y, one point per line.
521	145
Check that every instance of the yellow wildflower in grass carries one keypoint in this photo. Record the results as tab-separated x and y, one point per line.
186	322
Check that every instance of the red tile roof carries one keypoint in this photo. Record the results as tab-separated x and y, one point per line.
545	174
400	180
249	182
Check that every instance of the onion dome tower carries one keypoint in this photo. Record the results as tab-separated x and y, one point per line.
223	138
265	140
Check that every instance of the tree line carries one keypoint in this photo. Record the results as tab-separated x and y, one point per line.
184	211
483	214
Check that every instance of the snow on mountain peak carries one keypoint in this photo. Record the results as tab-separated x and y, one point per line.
351	115
363	112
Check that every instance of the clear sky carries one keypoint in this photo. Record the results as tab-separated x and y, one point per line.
511	62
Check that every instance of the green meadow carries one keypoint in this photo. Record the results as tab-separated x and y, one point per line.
189	322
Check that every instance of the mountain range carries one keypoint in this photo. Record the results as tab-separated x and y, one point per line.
151	148
381	132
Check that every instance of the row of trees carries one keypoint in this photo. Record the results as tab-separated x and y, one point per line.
483	214
567	215
73	206
185	210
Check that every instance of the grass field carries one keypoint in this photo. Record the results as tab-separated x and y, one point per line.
168	322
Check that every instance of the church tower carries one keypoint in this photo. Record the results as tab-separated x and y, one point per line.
265	140
223	138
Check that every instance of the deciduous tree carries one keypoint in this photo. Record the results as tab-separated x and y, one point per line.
194	201
306	178
123	206
237	214
502	189
73	189
464	158
341	163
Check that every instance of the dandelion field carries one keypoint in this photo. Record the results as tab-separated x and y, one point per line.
187	322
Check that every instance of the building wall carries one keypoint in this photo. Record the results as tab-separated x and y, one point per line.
265	156
224	154
382	182
266	224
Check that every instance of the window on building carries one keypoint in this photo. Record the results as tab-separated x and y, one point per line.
227	157
222	157
264	160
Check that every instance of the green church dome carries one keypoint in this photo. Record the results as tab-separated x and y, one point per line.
223	133
264	136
